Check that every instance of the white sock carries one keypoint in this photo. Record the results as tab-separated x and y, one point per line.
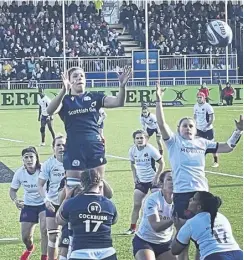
62	257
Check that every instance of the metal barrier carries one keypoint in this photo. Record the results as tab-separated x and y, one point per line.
109	83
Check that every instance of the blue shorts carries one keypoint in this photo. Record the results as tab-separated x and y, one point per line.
50	214
158	249
31	213
181	202
101	125
45	119
209	134
144	187
82	156
230	255
64	240
150	132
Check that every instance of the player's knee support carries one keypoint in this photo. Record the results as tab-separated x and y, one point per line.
42	129
53	238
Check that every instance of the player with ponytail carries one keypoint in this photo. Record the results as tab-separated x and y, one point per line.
209	229
91	216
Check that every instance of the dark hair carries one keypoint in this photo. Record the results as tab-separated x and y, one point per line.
60	136
210	204
89	179
184	118
139	132
32	149
163	174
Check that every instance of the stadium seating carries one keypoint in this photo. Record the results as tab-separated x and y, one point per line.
29	33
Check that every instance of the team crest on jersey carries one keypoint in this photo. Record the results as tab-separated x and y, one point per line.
65	241
76	163
94	208
93	104
72	98
146	155
87	98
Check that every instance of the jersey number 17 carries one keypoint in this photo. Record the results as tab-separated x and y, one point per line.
88	225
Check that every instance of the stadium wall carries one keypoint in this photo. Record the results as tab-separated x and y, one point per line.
174	96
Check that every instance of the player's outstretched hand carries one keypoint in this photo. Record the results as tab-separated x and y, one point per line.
159	91
178	222
49	206
67	84
239	125
124	76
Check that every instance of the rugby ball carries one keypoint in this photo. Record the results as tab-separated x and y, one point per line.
219	33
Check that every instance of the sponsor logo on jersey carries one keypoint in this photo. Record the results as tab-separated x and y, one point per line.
65	241
87	98
94	207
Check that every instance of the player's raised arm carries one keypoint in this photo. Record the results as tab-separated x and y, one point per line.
119	100
56	103
164	128
233	140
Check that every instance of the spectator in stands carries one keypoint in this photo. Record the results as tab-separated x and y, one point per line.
228	94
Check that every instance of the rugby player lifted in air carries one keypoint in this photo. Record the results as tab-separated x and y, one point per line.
79	111
43	102
204	117
150	125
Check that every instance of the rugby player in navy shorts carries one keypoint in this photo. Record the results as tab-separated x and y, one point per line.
79	111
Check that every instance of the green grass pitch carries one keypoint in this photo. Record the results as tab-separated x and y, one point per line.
119	125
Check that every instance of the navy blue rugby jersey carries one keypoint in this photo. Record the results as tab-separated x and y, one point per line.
91	216
80	114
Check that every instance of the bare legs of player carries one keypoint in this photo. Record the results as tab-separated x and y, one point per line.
215	157
107	190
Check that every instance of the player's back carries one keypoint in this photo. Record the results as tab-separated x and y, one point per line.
80	115
91	216
221	240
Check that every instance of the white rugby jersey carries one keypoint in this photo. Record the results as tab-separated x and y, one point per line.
155	203
149	122
52	171
143	161
198	229
187	160
202	113
102	116
43	103
29	183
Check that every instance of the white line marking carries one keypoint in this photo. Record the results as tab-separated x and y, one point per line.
11	140
226	174
235	110
5	239
216	173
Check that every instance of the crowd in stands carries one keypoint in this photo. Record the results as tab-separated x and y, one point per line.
177	28
29	33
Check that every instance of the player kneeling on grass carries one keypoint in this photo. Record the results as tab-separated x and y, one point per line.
91	216
155	233
210	230
204	117
142	156
150	125
33	207
52	172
